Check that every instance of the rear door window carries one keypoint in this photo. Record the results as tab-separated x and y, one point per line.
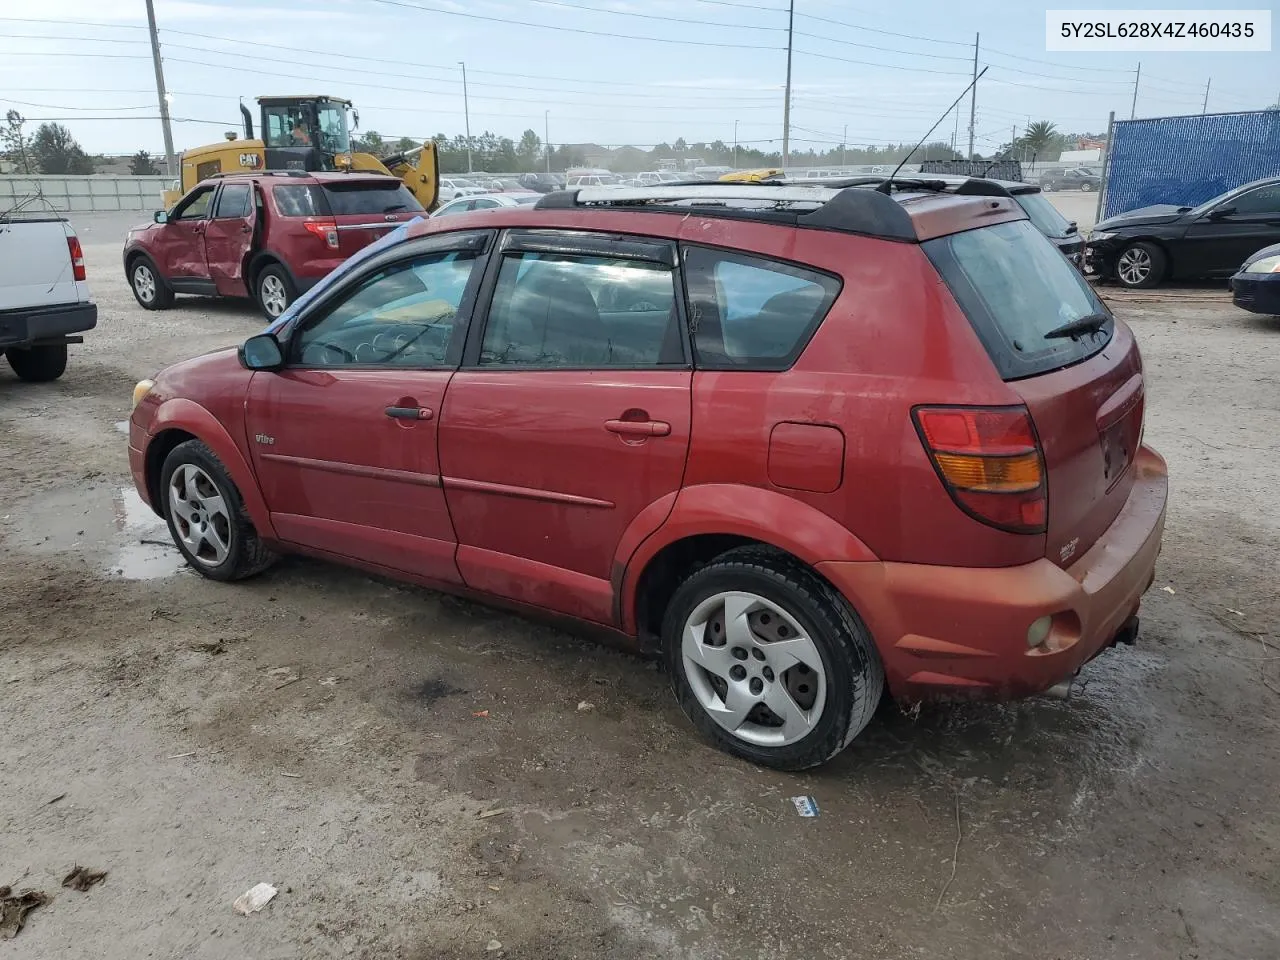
1015	287
1043	214
752	313
233	202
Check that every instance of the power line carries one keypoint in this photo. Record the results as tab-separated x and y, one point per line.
561	29
882	49
655	16
883	66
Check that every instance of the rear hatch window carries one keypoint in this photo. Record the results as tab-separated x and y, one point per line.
1030	308
356	198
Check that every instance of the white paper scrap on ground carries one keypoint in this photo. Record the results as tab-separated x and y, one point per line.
806	806
254	899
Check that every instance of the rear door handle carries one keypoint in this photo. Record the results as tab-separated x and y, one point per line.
246	228
408	413
638	428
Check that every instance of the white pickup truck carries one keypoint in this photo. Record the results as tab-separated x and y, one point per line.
44	300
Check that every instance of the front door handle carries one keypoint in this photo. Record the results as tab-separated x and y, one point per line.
408	413
638	428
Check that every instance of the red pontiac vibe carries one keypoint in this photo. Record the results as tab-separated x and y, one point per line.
811	444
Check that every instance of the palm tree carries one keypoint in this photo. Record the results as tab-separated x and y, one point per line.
1039	137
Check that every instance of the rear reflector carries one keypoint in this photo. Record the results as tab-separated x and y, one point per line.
989	460
326	230
77	258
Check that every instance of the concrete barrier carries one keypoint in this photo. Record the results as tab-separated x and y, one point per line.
82	194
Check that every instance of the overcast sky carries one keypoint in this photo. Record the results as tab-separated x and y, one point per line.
886	70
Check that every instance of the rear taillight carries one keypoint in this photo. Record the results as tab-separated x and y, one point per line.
326	230
77	258
990	462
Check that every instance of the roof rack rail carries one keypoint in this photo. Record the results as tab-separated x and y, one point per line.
263	173
826	207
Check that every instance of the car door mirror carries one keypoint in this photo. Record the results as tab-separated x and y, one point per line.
1221	212
261	352
160	217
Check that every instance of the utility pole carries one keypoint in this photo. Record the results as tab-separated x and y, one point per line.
973	94
1205	108
1106	166
1133	110
546	135
164	97
786	103
844	142
735	144
466	110
1013	140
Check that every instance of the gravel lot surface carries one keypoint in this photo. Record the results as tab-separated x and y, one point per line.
153	730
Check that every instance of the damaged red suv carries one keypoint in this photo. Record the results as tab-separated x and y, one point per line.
266	236
812	445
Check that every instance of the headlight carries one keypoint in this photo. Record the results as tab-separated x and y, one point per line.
141	389
1101	235
1265	265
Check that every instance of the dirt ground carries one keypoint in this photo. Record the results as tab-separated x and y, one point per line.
153	728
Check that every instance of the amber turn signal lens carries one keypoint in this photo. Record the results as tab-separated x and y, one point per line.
1018	474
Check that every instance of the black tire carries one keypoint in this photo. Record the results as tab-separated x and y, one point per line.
266	293
1087	187
1155	273
246	554
148	286
849	657
38	364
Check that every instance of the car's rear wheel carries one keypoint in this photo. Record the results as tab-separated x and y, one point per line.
149	288
1086	187
769	661
38	364
1140	265
275	291
206	515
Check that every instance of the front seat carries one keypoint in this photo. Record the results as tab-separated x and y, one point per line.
563	322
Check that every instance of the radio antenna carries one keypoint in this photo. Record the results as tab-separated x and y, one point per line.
887	186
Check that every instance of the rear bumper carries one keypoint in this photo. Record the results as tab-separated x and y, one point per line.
46	324
955	631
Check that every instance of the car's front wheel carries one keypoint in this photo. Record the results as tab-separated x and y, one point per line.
1140	265
275	291
149	288
769	661
1087	187
206	515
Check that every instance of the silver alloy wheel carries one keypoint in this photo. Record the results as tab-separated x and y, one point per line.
273	295
1134	266
754	669
144	283
200	515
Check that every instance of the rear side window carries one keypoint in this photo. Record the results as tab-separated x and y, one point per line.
233	201
298	200
365	196
1015	287
1043	214
751	313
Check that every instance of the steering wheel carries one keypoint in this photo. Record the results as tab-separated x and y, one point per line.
328	350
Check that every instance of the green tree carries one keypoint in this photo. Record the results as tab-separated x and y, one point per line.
57	152
17	147
370	142
405	144
529	151
141	165
1040	137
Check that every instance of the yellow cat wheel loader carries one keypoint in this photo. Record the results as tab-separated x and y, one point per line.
305	133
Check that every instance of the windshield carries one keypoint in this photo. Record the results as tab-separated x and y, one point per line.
331	119
1043	214
1208	205
1015	287
462	182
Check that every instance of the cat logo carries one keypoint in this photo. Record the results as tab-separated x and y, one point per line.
250	160
264	439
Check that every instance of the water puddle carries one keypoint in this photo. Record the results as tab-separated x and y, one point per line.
113	529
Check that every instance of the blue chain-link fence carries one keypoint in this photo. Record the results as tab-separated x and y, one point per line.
1188	160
